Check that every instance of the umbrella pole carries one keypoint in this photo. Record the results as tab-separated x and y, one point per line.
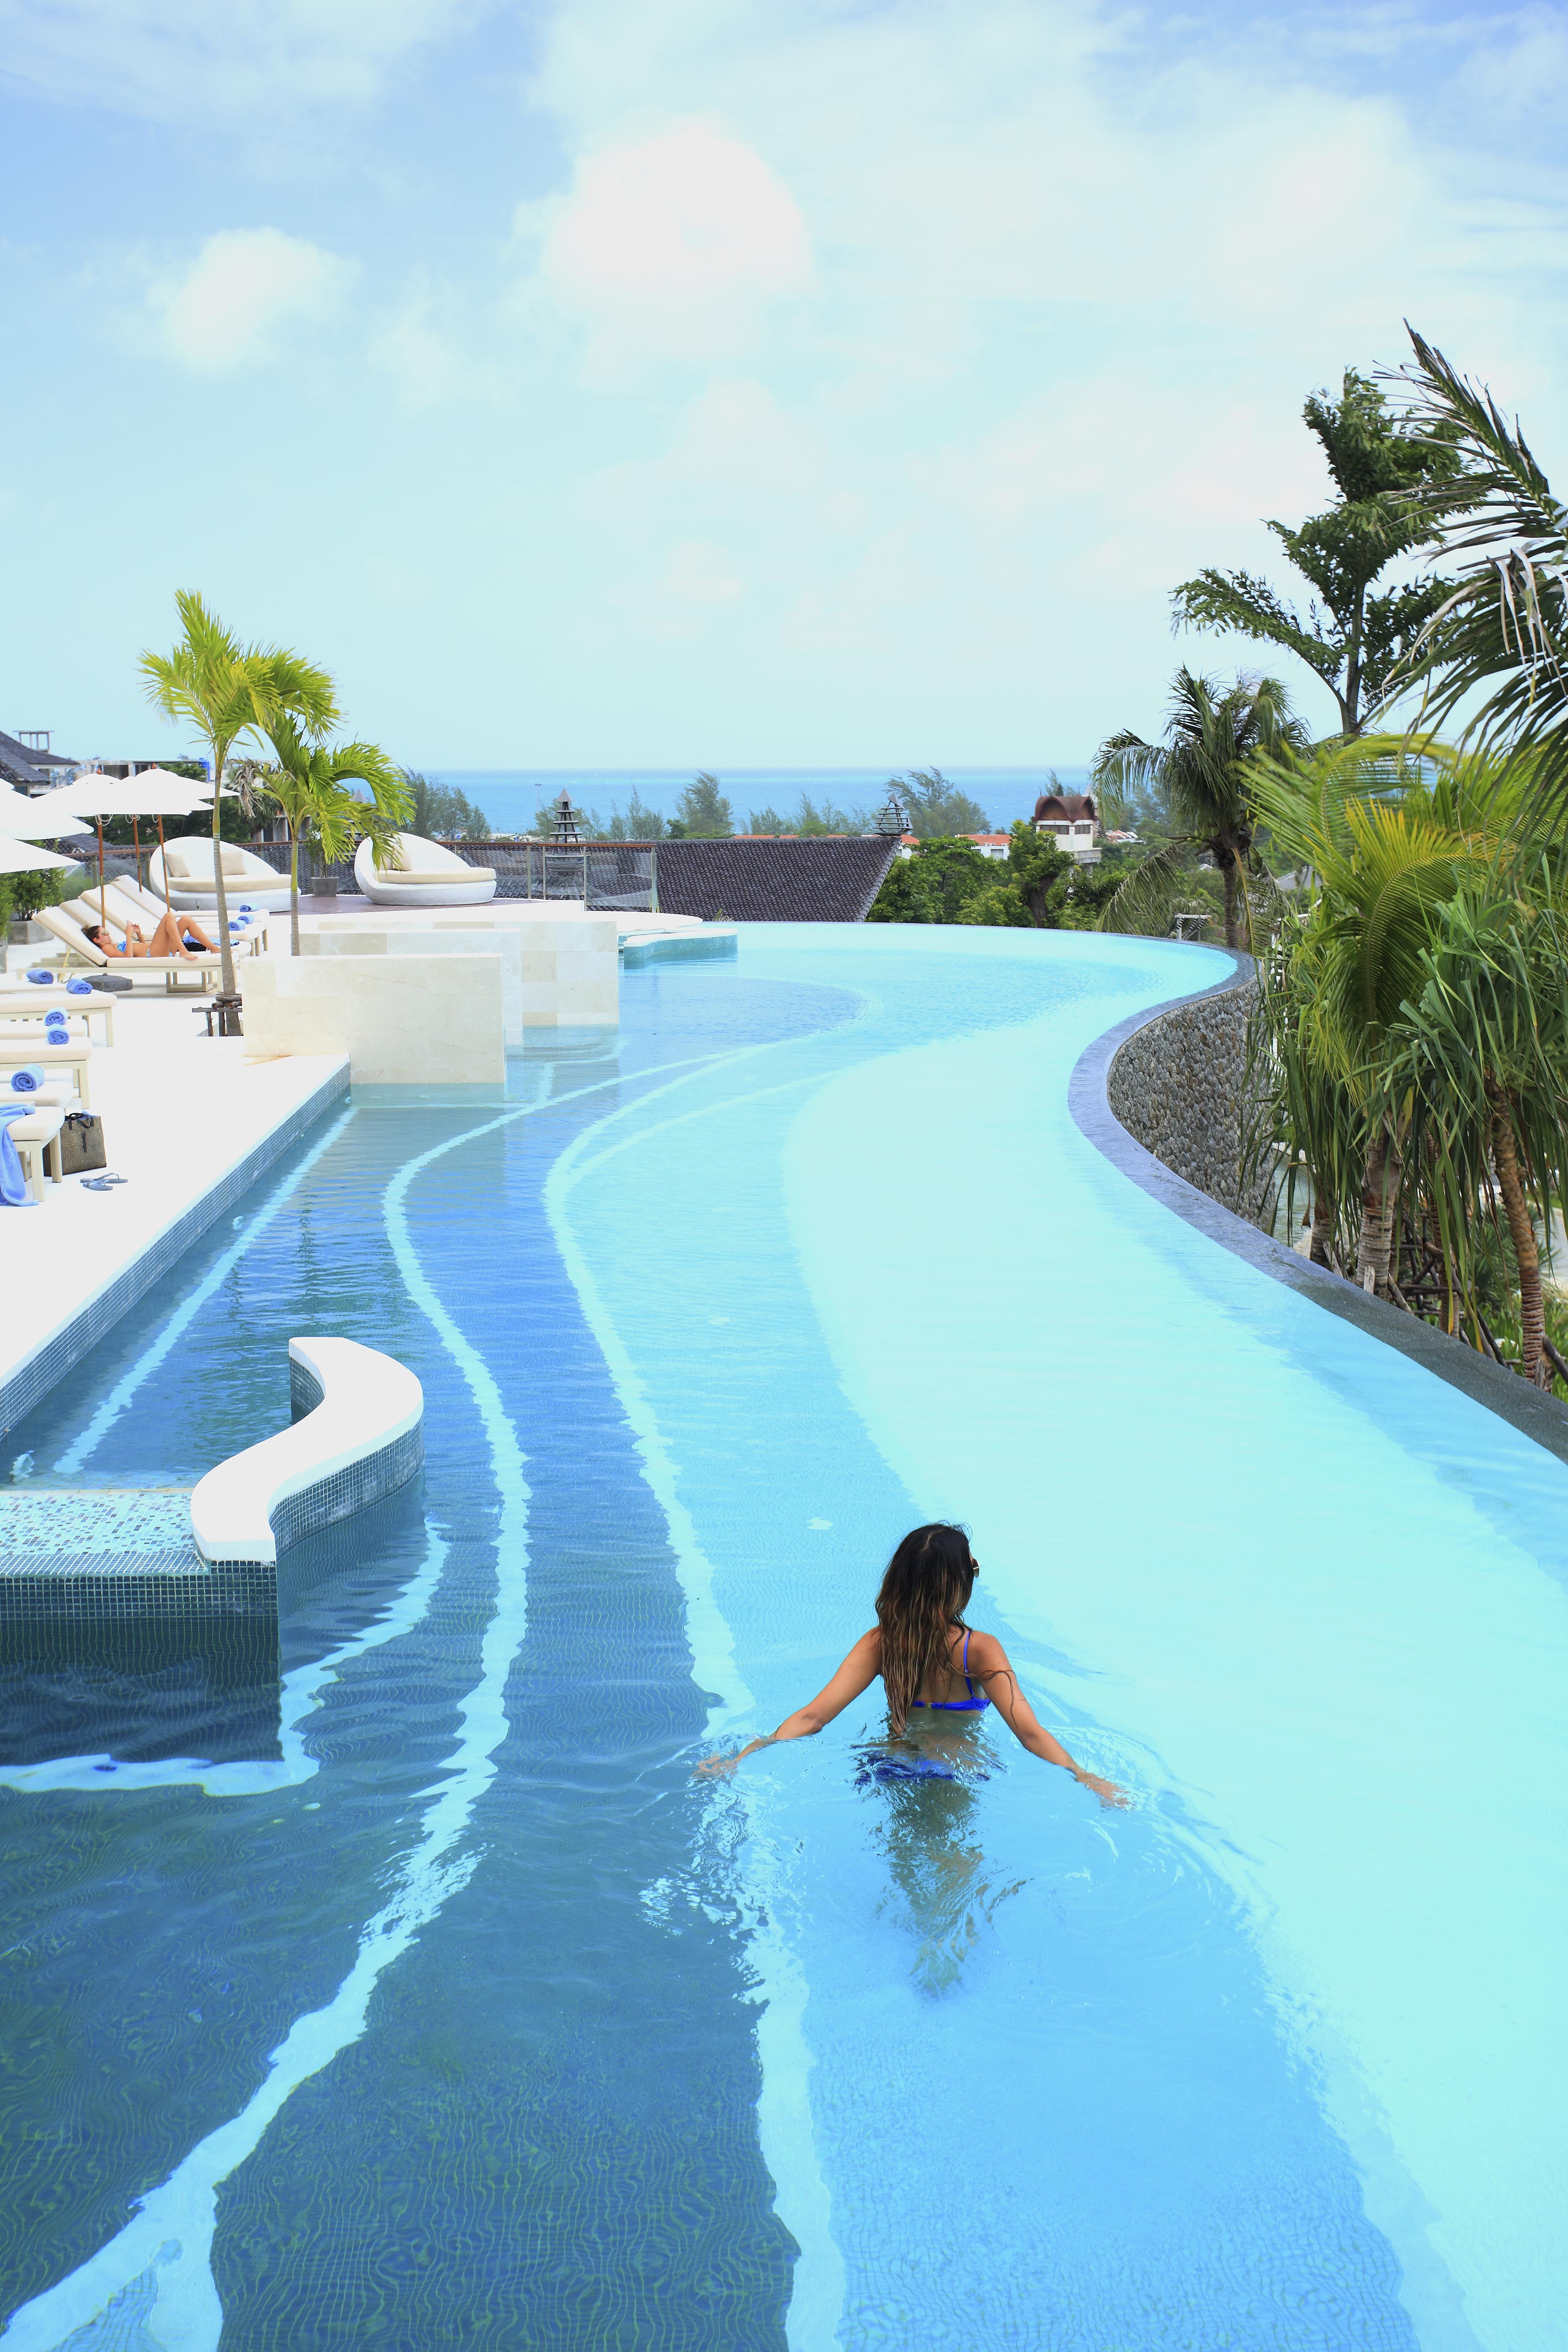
100	913
136	846
164	868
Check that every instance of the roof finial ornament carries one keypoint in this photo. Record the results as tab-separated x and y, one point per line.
891	819
568	836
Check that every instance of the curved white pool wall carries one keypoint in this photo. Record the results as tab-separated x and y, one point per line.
362	1437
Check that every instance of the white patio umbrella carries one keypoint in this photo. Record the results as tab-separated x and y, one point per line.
158	792
155	792
27	857
25	818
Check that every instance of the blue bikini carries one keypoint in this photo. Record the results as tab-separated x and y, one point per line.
970	1706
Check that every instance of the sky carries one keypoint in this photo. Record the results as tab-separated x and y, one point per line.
725	382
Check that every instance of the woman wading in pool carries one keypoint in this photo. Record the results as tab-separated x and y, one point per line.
938	1674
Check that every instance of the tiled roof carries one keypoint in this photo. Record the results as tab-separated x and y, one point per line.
816	879
26	767
1064	805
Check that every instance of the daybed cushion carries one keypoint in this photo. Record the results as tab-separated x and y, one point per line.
415	878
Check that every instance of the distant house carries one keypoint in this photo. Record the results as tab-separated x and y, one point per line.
989	845
1074	820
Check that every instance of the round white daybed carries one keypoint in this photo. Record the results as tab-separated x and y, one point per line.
192	883
428	877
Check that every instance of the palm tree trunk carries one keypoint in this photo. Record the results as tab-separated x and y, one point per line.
1379	1194
1531	1306
293	891
225	944
1321	1249
1227	875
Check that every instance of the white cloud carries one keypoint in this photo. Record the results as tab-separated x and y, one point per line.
670	247
170	57
243	286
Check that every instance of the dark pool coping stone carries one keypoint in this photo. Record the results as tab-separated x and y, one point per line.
1530	1411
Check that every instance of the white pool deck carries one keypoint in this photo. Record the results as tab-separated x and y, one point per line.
180	1112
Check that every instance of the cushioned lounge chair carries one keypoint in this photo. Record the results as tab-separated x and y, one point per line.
71	927
188	864
148	908
32	1135
32	1007
75	1057
120	903
429	876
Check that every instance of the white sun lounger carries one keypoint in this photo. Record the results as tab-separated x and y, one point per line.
72	928
31	1137
77	1056
148	909
31	1005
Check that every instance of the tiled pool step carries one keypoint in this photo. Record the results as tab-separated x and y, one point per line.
77	1556
74	1523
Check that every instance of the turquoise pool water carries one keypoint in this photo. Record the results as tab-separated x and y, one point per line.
402	1986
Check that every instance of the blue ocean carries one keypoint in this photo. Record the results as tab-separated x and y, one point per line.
511	797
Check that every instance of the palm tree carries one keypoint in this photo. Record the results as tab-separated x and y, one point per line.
1505	626
228	692
1388	847
1200	770
1349	636
1483	1052
310	786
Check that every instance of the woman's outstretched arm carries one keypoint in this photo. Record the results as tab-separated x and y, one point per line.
858	1673
988	1664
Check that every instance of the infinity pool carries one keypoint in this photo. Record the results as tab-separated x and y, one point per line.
402	1987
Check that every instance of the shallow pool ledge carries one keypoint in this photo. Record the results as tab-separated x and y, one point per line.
358	1434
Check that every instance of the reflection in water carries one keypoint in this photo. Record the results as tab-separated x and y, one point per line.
929	1835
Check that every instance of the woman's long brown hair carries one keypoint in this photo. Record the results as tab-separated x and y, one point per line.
924	1594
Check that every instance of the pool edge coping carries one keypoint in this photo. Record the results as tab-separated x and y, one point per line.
30	1381
1531	1411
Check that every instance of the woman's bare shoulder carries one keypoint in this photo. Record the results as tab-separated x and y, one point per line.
985	1652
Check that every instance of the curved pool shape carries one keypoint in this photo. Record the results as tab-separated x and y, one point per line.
424	1996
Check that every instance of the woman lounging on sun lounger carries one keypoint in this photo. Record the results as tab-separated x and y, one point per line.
166	940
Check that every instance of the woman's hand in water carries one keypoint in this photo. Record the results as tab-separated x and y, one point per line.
718	1767
1106	1791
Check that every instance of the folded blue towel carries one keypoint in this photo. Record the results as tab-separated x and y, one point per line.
28	1078
53	1020
40	979
78	988
14	1190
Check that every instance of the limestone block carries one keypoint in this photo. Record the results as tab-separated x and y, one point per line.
426	1019
559	971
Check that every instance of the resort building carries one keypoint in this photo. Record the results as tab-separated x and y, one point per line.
27	764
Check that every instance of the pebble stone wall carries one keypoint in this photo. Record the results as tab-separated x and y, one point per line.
1178	1085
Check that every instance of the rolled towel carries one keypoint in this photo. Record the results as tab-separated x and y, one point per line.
29	1078
13	1190
56	1023
78	988
41	979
